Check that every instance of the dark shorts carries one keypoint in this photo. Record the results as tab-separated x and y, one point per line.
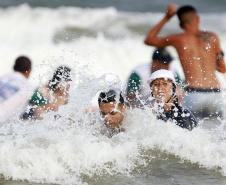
204	102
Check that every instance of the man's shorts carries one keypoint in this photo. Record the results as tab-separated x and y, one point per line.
204	102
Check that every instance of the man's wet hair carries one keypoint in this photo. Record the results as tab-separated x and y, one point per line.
110	96
22	64
60	73
185	9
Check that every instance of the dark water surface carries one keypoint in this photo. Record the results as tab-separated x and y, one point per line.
205	6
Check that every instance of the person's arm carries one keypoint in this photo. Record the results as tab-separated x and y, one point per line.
43	109
152	39
220	62
219	55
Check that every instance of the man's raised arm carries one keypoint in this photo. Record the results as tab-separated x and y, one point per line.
152	38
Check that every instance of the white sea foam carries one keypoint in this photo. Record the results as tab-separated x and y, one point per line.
60	151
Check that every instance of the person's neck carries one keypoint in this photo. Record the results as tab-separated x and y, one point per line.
26	75
169	105
192	29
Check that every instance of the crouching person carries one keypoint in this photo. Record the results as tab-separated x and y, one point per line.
163	87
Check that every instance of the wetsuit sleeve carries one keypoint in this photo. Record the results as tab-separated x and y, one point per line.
38	98
179	80
186	119
133	84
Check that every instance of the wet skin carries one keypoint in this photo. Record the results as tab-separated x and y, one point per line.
112	114
198	51
162	89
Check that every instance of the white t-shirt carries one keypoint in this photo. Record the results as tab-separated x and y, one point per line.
15	92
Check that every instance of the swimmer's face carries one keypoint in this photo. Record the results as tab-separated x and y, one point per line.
64	86
162	89
112	114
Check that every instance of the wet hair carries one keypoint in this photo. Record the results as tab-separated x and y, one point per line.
110	96
61	72
22	64
162	55
185	9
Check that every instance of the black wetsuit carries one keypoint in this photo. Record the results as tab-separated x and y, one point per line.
183	117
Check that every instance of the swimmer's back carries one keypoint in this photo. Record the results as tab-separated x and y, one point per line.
197	53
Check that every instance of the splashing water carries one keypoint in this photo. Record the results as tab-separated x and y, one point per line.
63	151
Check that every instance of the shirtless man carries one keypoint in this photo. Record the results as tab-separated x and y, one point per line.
200	56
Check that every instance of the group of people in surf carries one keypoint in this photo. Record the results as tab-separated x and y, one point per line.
16	92
155	84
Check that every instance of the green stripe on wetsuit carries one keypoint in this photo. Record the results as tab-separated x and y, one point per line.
178	80
133	84
38	98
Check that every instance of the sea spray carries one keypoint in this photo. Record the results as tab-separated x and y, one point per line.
65	151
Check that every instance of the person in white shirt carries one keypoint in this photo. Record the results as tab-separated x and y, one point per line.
15	90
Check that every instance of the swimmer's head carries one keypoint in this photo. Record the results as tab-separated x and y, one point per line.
22	65
62	73
160	59
166	75
111	96
112	108
186	15
162	55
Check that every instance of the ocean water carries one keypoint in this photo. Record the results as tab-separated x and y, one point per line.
204	6
102	43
